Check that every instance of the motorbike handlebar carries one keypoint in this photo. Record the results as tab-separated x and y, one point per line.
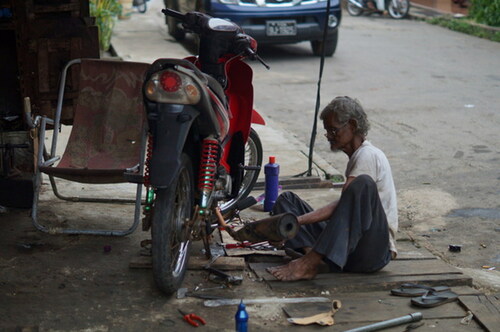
198	22
173	13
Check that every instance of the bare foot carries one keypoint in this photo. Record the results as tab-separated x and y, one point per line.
303	268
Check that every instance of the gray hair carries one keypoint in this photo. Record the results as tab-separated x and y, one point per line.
347	108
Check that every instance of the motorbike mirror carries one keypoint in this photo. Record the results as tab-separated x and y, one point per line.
218	24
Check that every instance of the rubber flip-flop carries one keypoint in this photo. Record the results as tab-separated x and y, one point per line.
413	290
433	299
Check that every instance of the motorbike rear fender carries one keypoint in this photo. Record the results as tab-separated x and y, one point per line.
170	127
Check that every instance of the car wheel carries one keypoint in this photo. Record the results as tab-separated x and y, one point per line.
330	45
173	25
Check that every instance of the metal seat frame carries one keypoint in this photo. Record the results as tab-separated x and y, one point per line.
47	159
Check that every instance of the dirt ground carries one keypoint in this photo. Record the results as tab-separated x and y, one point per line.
84	283
434	219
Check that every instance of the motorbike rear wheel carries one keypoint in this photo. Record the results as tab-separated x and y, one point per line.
170	238
253	157
354	10
398	9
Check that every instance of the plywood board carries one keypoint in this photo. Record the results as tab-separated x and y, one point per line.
425	325
370	308
365	282
486	310
394	268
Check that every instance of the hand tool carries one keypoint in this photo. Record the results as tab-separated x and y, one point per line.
414	317
229	279
280	300
192	318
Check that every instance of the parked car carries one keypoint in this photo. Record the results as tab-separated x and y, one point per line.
270	21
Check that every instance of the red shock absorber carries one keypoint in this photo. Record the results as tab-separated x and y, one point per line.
208	164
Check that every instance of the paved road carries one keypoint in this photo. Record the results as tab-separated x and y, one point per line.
432	96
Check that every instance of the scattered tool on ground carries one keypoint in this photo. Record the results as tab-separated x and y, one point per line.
226	278
222	302
414	317
184	292
246	244
192	319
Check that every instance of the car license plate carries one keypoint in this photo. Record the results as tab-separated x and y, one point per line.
281	28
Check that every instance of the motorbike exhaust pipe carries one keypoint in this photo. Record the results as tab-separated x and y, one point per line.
275	229
357	4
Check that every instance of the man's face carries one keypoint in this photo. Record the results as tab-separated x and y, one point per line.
338	134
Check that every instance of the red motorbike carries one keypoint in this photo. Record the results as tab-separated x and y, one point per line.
203	156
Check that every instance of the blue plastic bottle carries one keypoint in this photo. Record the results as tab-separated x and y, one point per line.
241	318
271	171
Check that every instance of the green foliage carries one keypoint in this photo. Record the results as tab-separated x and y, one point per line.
486	12
465	26
105	8
105	12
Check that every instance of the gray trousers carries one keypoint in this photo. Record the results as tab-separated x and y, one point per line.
355	238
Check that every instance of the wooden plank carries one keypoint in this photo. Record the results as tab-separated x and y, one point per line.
195	263
222	263
394	268
372	308
361	282
486	310
371	283
445	325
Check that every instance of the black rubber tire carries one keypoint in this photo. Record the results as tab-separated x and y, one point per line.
399	13
172	24
143	8
330	45
170	244
353	10
253	157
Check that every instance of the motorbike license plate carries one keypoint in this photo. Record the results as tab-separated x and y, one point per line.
281	28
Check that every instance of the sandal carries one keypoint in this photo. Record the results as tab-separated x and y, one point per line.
412	290
433	299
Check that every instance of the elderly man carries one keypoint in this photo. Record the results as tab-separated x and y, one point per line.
356	232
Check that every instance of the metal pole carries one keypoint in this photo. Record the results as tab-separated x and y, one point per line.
414	317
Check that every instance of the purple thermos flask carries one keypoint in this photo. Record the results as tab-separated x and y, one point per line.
271	172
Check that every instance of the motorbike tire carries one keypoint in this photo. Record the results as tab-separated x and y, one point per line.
173	25
353	10
400	11
170	242
140	5
253	157
330	45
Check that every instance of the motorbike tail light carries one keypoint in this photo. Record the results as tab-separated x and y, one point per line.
170	81
172	86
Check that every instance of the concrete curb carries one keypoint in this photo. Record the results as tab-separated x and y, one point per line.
421	12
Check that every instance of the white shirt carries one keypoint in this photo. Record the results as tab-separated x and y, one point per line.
369	160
